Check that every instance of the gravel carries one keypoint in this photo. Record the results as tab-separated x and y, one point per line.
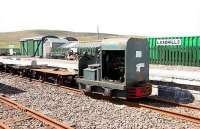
195	103
8	114
86	113
172	107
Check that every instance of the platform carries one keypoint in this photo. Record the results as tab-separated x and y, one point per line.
177	74
180	82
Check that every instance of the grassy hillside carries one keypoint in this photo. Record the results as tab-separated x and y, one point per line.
13	37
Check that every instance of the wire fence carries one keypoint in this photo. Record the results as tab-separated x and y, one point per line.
9	51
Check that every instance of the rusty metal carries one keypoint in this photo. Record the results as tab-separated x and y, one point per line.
172	102
139	105
16	119
58	84
68	89
3	126
34	114
174	114
65	88
170	113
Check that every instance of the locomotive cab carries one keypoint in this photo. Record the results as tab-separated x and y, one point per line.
119	68
113	65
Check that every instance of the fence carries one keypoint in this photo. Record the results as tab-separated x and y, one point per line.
175	51
6	51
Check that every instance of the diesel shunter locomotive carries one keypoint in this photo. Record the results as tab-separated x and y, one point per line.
115	67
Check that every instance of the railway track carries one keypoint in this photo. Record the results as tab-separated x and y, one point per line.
167	111
154	108
23	114
3	126
141	104
173	103
147	106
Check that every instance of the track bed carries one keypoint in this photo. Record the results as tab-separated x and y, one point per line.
82	111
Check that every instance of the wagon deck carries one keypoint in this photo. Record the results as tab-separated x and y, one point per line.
55	72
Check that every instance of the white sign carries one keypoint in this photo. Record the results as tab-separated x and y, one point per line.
139	66
138	54
168	42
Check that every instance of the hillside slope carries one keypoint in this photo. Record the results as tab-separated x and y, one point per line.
13	37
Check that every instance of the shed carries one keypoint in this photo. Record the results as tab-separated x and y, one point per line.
40	46
79	47
71	39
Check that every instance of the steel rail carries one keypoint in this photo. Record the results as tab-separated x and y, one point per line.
34	114
134	104
3	126
53	84
174	103
77	91
153	108
170	113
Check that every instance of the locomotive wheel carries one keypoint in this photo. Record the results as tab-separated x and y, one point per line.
88	88
80	86
83	87
107	92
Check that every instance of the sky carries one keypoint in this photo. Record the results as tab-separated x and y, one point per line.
126	17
